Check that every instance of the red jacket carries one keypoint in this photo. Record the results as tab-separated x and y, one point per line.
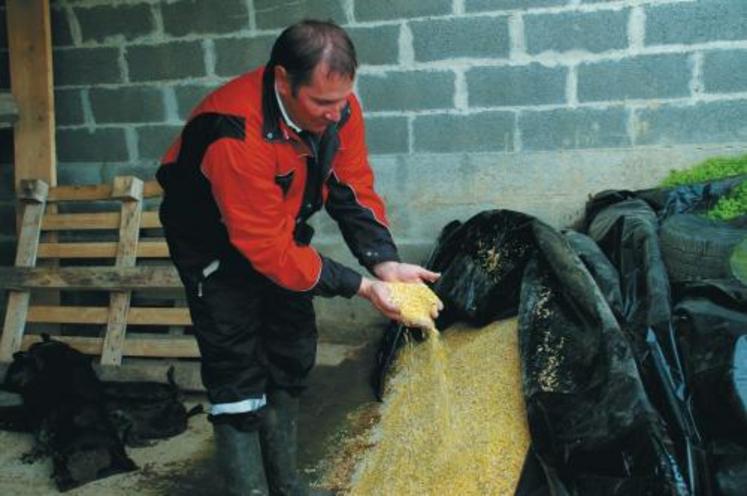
239	179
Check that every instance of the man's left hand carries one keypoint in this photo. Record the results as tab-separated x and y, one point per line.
404	272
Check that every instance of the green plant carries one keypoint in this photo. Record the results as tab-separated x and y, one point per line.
729	206
732	205
708	170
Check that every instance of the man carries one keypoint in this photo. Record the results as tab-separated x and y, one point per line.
256	159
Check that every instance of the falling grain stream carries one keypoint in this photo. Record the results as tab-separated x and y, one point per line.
453	421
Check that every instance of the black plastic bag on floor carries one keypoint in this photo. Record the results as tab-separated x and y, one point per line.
711	321
698	197
145	411
627	234
592	425
64	402
81	422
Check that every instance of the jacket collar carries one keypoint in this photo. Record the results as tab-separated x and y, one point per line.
271	114
274	126
286	118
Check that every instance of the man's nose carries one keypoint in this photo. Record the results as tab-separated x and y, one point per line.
335	114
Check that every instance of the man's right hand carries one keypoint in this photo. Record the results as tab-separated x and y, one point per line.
377	292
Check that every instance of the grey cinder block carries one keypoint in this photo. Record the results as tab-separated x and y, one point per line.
531	84
479	132
651	76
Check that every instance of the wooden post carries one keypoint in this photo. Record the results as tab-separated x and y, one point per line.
30	52
130	191
33	197
31	83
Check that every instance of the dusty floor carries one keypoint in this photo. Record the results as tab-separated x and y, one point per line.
182	465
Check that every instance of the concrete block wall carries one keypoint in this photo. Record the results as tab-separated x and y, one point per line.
470	104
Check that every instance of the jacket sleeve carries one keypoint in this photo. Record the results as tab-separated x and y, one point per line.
241	176
352	200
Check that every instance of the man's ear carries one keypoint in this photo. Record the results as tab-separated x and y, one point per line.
281	81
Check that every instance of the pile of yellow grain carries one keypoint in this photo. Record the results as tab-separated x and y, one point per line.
453	422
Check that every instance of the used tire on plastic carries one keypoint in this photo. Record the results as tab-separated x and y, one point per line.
695	248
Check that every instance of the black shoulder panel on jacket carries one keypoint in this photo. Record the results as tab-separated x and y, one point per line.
203	130
189	214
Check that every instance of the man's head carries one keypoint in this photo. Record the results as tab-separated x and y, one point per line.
314	66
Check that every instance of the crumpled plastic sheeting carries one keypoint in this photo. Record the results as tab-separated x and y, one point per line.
668	201
481	264
627	232
712	334
593	427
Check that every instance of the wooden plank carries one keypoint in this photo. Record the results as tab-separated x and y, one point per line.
130	190
186	372
30	54
80	193
152	189
137	345
32	205
94	221
98	315
90	278
145	249
81	221
8	110
150	220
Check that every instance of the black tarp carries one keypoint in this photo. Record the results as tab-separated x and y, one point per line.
711	324
627	233
593	426
607	383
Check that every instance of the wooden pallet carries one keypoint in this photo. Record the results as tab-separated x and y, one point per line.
124	263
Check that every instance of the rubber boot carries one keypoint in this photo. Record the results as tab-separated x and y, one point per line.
239	457
279	439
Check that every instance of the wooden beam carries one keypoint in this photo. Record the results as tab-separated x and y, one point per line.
80	193
94	221
30	51
186	372
152	189
129	189
98	315
138	345
32	202
90	278
8	110
103	249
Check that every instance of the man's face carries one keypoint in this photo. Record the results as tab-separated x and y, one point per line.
318	103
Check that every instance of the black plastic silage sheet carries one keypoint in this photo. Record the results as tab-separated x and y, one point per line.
614	404
593	427
711	323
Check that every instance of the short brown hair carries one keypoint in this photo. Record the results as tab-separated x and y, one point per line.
302	46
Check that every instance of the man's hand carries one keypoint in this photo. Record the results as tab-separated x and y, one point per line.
403	272
377	292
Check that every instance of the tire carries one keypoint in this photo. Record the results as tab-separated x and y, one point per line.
694	247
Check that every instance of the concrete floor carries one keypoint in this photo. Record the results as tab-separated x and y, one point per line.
182	465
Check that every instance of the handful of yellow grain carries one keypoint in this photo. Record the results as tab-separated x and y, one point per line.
417	303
